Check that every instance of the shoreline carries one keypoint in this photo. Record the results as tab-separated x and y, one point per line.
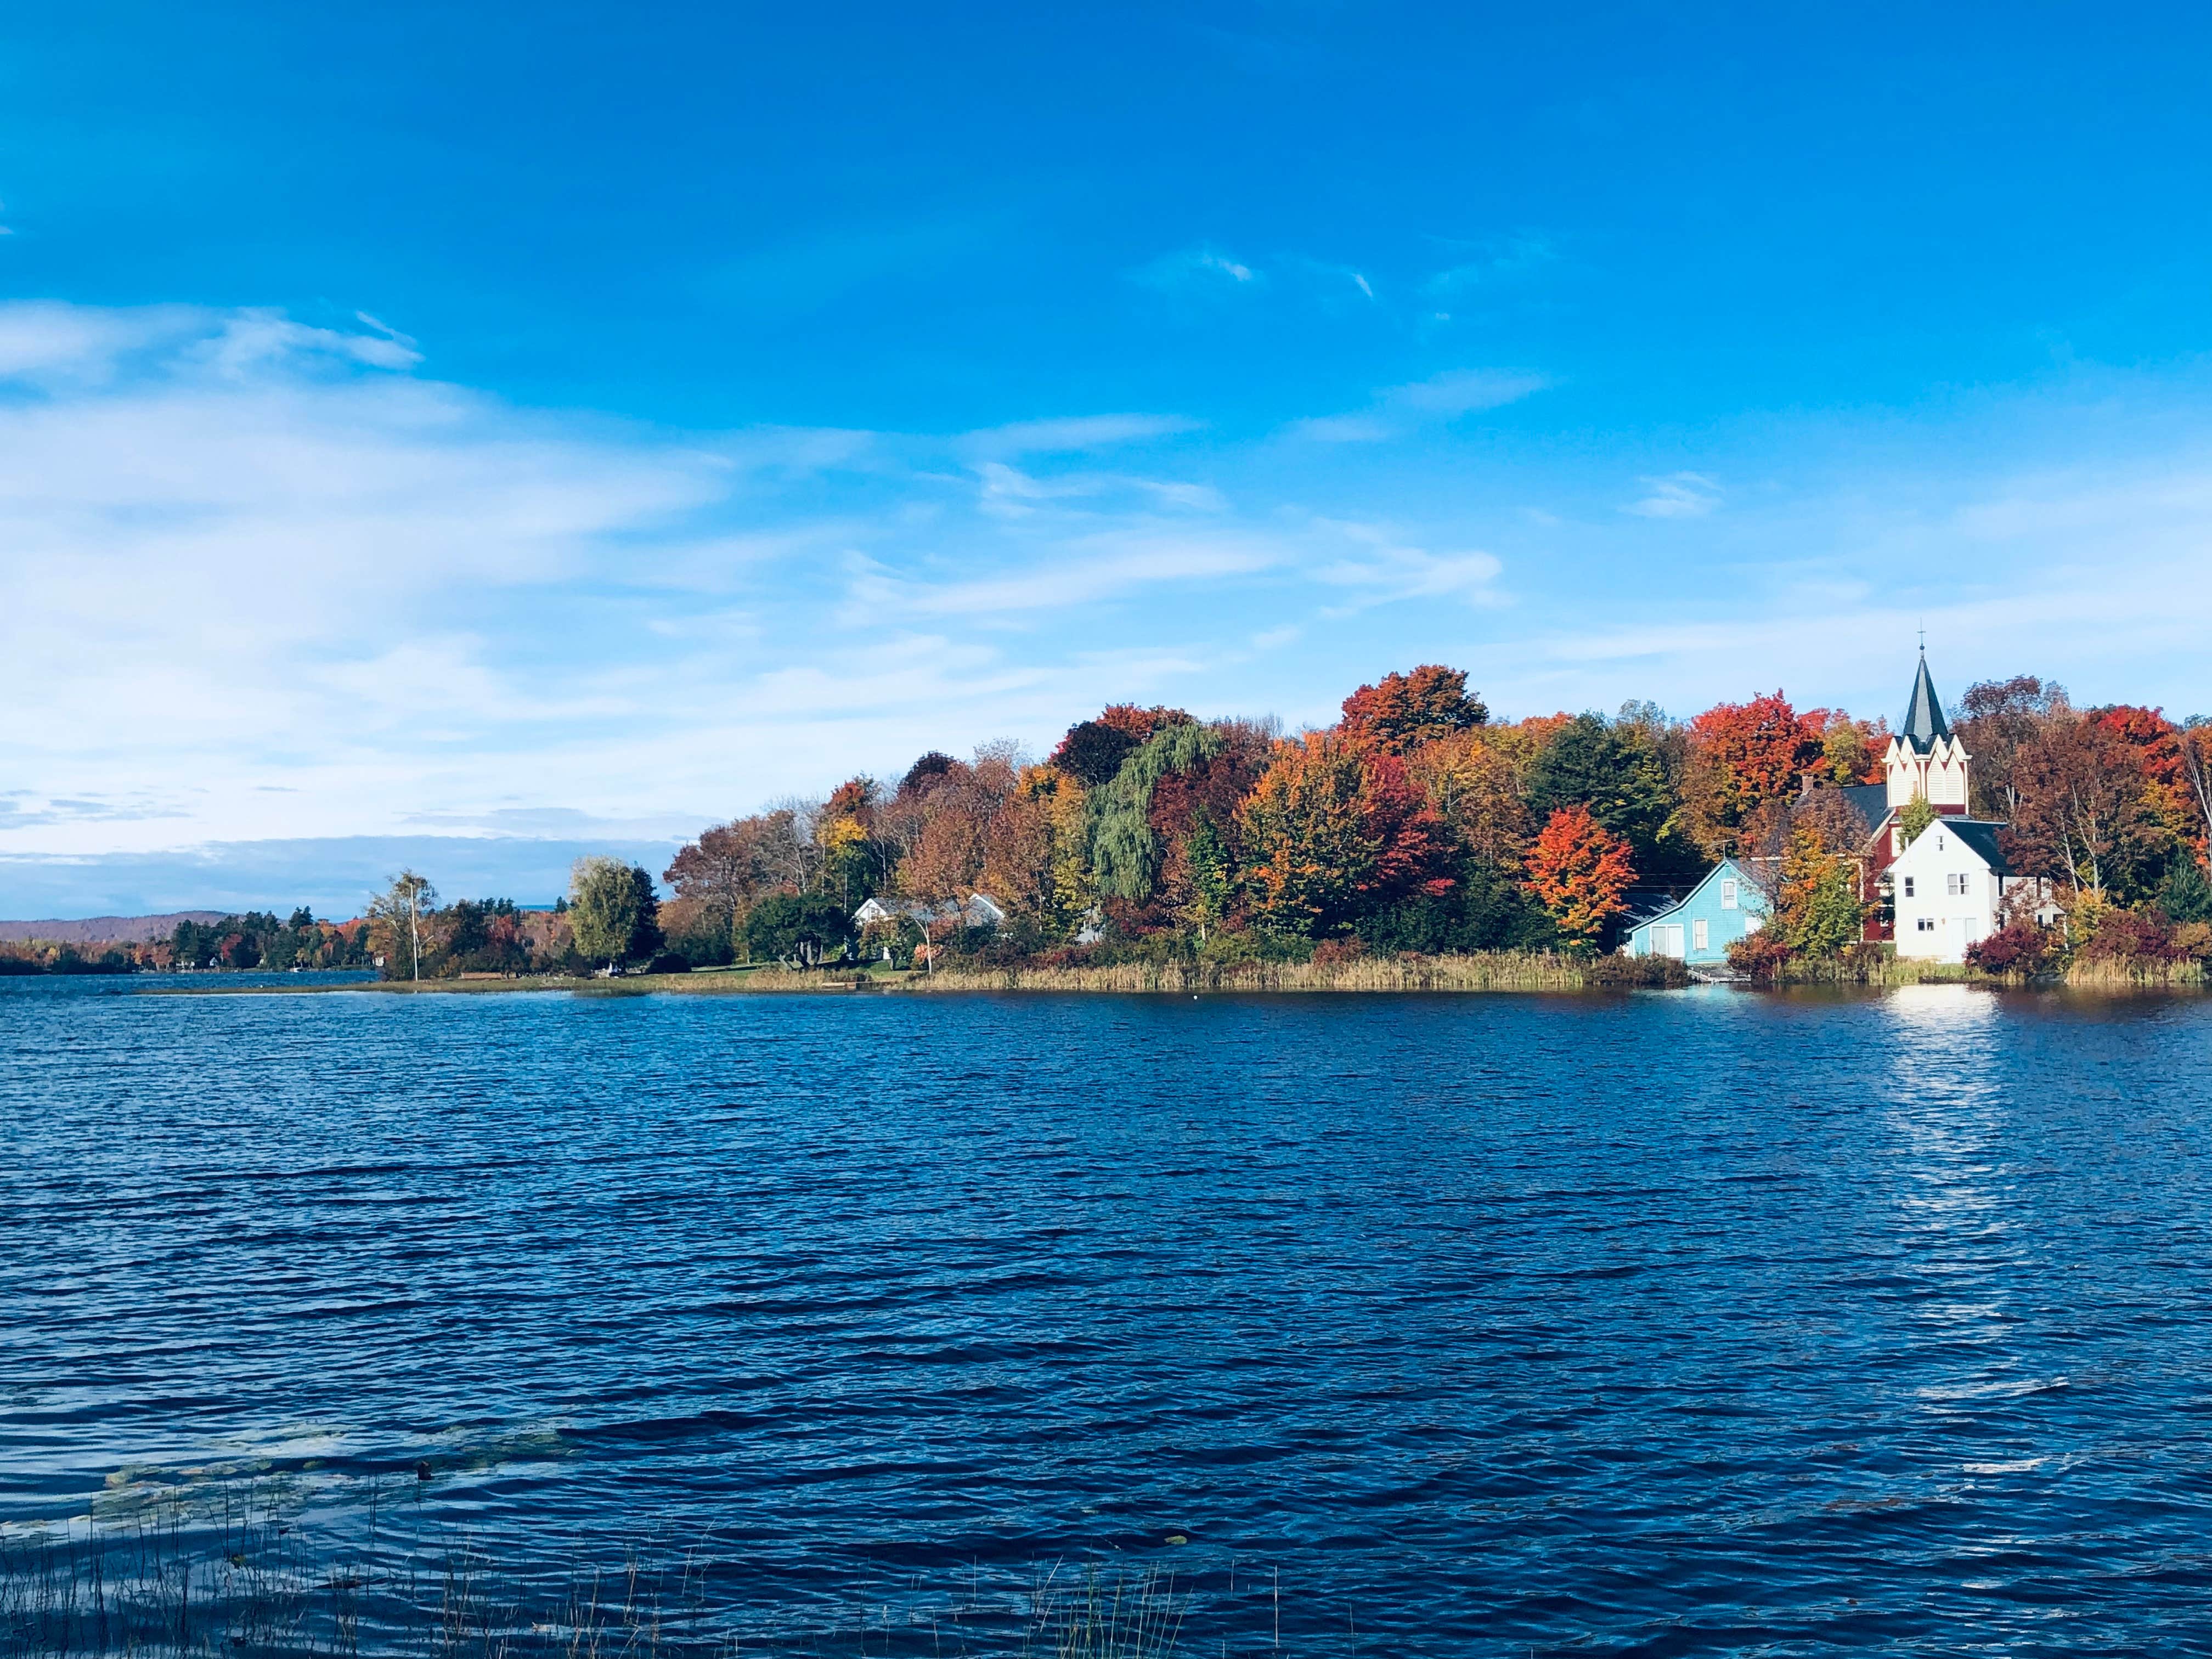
1499	972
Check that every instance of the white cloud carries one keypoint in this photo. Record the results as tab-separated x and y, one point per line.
1194	269
1504	261
1383	570
1396	409
1083	432
1080	571
266	581
1677	496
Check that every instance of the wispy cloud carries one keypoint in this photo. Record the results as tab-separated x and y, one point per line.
1677	496
1384	570
1077	433
1493	263
1399	409
1009	490
1083	571
1196	270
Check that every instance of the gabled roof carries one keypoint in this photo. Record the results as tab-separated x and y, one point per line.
1923	715
1870	800
1726	866
1981	835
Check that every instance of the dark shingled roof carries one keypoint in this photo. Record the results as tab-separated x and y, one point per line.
1981	835
1923	718
1870	800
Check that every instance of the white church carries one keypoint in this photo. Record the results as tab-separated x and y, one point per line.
1952	884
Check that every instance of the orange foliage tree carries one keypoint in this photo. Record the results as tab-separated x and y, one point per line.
1330	832
2162	752
1578	870
1742	756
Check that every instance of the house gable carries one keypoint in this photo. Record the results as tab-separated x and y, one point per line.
1700	926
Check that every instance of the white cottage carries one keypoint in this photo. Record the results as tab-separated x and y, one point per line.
1950	886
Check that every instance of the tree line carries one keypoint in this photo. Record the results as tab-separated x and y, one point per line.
1417	823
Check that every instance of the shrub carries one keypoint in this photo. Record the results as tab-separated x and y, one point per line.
1615	969
1762	955
1335	952
2019	947
2131	936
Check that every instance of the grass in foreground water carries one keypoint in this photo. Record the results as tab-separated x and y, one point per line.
176	1580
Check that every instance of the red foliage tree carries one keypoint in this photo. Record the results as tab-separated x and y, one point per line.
1578	870
1404	711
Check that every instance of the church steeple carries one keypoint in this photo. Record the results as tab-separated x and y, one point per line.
1924	760
1924	716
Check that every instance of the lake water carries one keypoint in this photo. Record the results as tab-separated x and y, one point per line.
1666	1323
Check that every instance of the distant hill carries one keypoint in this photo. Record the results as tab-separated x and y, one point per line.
104	930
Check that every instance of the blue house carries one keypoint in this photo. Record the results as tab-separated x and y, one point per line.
1698	928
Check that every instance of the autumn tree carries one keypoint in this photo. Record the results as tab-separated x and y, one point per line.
1330	830
1403	711
953	817
1741	756
1817	906
2197	777
2162	755
1998	720
1192	819
1478	782
1033	848
1850	750
397	916
1093	750
1578	870
1619	772
718	878
2085	815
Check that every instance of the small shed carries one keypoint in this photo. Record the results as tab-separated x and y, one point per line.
1700	926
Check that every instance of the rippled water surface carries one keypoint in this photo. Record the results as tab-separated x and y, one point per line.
1669	1323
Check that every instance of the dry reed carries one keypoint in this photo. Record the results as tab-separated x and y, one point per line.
1489	971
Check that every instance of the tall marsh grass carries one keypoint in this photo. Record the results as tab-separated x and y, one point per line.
186	1579
1489	971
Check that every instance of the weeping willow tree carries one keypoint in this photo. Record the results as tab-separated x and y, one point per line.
1125	853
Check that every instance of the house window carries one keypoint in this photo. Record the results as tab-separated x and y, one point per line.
1701	937
1727	894
1908	887
1924	925
1954	886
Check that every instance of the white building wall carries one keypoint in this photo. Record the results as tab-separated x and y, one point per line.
1946	898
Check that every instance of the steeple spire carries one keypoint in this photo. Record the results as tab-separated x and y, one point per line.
1924	716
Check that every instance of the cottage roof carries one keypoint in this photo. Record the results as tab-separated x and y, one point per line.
1725	868
1923	715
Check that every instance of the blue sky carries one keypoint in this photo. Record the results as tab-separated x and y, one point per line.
471	435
